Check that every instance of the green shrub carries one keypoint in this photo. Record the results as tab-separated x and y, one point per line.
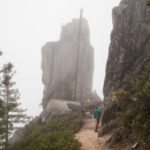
135	105
148	2
57	135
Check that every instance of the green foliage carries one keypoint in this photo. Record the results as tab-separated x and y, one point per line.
58	134
10	112
148	2
135	105
123	98
2	127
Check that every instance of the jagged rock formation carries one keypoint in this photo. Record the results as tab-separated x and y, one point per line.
130	44
59	61
59	74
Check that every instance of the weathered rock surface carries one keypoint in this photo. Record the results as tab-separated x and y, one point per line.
59	61
128	53
108	121
59	107
130	44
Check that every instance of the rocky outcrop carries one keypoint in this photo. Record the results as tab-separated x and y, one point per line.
61	72
59	107
130	45
59	64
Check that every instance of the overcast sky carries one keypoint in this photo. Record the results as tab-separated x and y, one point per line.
26	25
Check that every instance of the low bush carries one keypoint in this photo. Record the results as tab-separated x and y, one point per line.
58	134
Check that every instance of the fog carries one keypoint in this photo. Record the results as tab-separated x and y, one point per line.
26	25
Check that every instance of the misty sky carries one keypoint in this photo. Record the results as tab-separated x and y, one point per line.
26	25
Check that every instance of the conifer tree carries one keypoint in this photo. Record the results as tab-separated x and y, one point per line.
1	116
10	111
1	123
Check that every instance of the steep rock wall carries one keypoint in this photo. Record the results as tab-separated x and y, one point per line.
130	44
59	61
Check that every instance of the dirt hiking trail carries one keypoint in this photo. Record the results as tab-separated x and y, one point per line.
89	138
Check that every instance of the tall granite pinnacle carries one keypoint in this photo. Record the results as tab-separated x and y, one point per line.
130	44
59	64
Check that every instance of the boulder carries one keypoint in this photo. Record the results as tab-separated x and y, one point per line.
59	107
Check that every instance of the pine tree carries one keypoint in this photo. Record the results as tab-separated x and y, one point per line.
10	111
1	123
1	117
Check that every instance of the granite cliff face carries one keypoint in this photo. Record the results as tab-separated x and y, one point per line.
59	62
130	44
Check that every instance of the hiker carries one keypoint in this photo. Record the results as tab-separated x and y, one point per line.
97	116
